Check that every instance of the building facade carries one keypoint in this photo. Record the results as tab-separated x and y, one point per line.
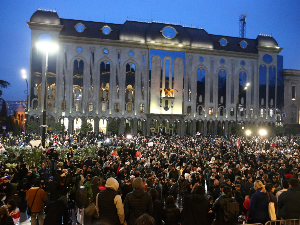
150	77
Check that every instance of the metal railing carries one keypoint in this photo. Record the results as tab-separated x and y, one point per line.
284	222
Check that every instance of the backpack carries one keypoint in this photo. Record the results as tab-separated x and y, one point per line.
231	210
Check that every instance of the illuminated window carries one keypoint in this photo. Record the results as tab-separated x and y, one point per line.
231	111
142	108
293	92
91	107
211	111
189	110
117	107
261	112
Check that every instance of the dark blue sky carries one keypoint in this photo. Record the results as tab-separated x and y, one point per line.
277	17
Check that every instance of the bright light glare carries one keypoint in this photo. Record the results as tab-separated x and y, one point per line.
129	136
50	47
262	132
248	84
107	140
23	74
248	132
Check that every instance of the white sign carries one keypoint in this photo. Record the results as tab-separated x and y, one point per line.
35	143
150	144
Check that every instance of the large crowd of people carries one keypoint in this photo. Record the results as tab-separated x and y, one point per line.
157	180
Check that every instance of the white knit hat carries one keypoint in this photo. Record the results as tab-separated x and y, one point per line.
112	183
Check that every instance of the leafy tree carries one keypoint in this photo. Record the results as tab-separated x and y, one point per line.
86	127
3	112
279	131
31	126
58	126
3	84
113	127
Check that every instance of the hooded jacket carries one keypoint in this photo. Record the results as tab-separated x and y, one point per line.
137	203
258	209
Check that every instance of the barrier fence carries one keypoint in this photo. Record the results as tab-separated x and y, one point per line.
284	222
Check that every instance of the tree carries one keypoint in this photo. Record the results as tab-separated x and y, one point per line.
3	112
113	127
86	127
3	84
31	126
279	131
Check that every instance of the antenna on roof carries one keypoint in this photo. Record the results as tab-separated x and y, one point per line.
242	22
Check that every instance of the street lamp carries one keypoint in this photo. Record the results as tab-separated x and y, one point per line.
46	45
237	104
262	132
24	75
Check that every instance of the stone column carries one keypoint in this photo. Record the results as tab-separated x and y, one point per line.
215	131
71	125
194	127
182	128
147	125
205	127
134	126
96	124
226	128
122	126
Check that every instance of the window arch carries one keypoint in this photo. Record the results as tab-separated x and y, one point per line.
222	87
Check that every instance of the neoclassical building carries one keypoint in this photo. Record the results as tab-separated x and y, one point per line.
150	77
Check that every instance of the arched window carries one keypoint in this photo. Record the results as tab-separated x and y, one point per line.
222	87
200	100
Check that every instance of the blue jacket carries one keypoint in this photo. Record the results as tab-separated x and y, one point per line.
258	209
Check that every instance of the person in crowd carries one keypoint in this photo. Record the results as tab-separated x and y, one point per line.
5	218
196	208
57	212
157	207
6	187
258	209
2	198
110	207
218	207
285	186
36	198
137	202
13	211
145	219
171	213
289	201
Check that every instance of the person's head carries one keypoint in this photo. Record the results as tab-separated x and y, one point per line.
172	181
137	183
216	182
11	205
5	180
285	184
3	211
293	182
37	182
227	190
200	190
170	200
269	187
258	185
154	194
145	219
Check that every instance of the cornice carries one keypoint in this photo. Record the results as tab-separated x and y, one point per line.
187	49
268	49
44	26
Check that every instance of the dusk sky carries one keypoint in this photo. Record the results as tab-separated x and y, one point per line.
279	18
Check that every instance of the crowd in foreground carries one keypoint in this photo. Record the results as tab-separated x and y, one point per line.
158	180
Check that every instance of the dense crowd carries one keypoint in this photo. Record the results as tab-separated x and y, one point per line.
167	180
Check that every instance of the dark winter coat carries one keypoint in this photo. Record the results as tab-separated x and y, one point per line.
289	203
258	210
137	203
171	215
55	211
195	210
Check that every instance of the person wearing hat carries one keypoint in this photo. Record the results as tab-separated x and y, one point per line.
110	205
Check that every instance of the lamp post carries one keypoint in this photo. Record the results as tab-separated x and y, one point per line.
45	46
24	75
63	114
237	104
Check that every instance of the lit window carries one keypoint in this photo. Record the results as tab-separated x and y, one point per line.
117	107
91	107
261	112
211	111
142	108
293	92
